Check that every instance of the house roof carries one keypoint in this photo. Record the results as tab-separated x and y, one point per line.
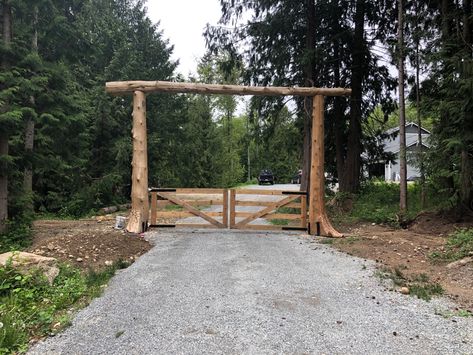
409	126
391	144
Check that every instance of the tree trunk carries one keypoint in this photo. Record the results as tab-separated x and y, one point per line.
306	155
420	153
3	183
309	72
7	38
466	175
351	170
338	123
466	180
402	112
318	221
138	221
30	125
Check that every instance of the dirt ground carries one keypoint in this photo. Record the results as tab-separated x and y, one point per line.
94	243
408	250
91	243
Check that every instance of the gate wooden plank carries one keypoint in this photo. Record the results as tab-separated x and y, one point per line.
184	214
154	207
198	191
163	203
232	207
271	215
258	192
266	203
194	225
225	208
191	209
267	210
303	207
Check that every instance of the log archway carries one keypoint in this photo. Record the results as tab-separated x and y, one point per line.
318	220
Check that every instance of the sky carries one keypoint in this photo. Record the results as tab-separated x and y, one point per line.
182	23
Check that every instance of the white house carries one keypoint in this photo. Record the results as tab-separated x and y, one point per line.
391	145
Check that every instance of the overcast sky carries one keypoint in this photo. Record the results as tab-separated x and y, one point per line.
183	22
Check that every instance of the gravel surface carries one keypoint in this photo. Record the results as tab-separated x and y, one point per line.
199	292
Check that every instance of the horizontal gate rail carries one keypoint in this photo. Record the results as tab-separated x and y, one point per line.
293	201
188	200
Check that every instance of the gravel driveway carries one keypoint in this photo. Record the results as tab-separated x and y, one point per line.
232	292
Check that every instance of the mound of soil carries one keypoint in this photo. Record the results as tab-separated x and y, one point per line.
439	223
87	244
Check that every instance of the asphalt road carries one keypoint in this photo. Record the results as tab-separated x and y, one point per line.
234	292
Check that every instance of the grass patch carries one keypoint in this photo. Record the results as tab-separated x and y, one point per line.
349	240
327	241
30	307
288	210
246	183
378	202
425	291
418	285
279	222
173	208
459	245
458	313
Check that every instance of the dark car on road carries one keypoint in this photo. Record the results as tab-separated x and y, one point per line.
265	176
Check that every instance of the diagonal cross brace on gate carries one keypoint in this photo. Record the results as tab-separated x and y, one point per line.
265	211
177	197
268	207
191	209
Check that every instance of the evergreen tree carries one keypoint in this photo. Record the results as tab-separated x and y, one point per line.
291	43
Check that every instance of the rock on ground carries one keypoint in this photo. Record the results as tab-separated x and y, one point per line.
26	261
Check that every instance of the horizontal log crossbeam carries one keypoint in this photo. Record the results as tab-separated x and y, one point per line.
128	87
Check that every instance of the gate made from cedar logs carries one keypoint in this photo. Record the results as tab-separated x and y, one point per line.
289	208
183	204
318	222
254	209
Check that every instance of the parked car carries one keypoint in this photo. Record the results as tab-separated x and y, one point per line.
265	176
296	179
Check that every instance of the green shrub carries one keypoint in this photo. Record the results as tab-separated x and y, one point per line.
30	306
378	202
459	245
17	237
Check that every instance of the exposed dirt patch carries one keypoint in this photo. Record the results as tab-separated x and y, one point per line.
86	243
409	251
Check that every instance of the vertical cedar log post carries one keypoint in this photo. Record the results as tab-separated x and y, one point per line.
138	220
318	221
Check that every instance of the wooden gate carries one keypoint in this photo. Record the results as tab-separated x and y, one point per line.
180	204
284	210
224	208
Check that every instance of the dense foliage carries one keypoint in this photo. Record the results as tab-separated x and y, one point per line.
65	145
